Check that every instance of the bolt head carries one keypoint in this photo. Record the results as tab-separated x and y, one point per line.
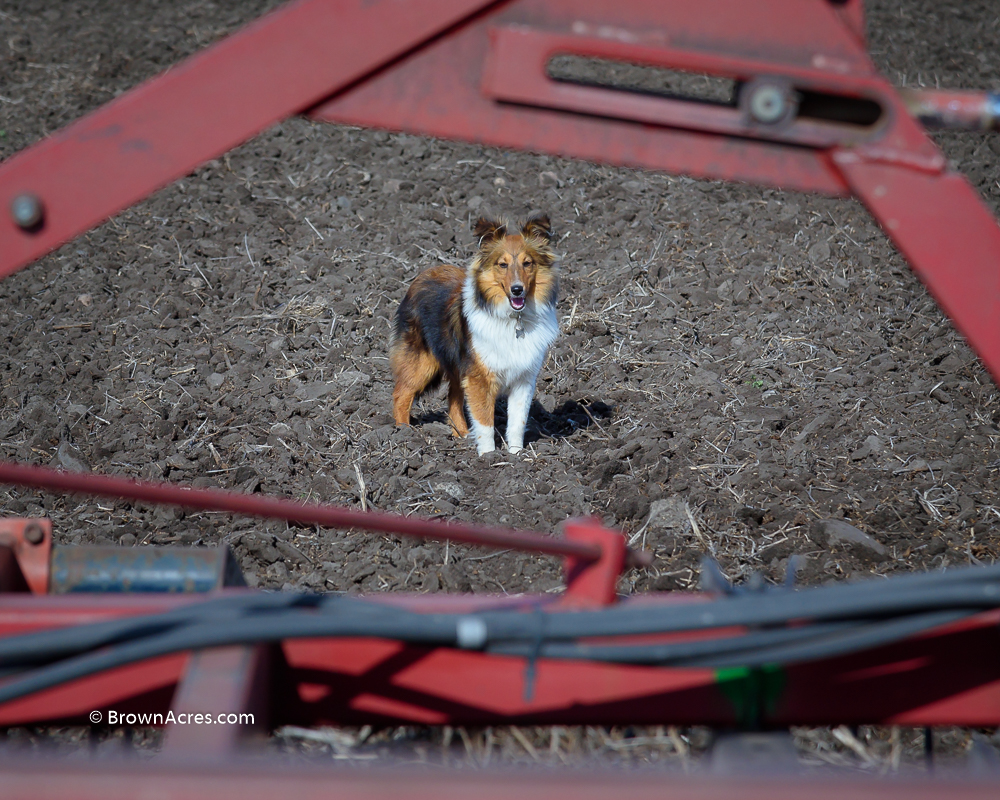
27	211
33	533
768	104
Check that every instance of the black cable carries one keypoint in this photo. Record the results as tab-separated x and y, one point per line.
42	646
441	630
46	645
667	653
842	618
961	588
435	630
756	649
862	637
767	609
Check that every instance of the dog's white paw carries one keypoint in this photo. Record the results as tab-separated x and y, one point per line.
484	450
514	449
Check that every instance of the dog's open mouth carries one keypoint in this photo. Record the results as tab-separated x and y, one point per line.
517	303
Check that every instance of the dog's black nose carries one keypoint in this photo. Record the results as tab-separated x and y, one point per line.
517	289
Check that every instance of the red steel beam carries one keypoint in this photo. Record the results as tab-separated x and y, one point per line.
25	779
515	72
28	543
448	89
477	71
939	678
939	223
221	683
273	68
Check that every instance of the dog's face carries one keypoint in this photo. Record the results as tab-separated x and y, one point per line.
514	264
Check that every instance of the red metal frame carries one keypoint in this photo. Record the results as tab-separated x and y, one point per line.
222	680
515	72
24	780
940	678
931	679
476	70
25	549
160	131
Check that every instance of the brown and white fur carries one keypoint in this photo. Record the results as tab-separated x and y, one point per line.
485	329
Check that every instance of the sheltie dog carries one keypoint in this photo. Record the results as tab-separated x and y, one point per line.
486	329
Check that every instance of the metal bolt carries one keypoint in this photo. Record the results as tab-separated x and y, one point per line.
768	101
33	533
27	211
768	104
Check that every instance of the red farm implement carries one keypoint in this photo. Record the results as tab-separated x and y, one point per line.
808	112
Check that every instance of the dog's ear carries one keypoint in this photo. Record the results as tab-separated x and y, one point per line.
538	225
489	230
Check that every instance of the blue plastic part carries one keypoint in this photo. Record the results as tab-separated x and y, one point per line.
142	569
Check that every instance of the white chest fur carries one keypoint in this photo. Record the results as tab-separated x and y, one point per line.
513	359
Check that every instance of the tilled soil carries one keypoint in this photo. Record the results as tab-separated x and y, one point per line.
737	366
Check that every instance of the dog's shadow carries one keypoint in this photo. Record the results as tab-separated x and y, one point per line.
417	419
560	423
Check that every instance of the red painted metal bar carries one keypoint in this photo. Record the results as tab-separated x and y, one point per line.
953	244
515	72
938	678
445	69
326	515
937	220
444	90
140	688
596	583
279	65
24	780
25	550
228	683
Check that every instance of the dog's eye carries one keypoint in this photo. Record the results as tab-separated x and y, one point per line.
527	263
502	264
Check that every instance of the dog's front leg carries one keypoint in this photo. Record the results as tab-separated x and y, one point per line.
518	403
481	395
